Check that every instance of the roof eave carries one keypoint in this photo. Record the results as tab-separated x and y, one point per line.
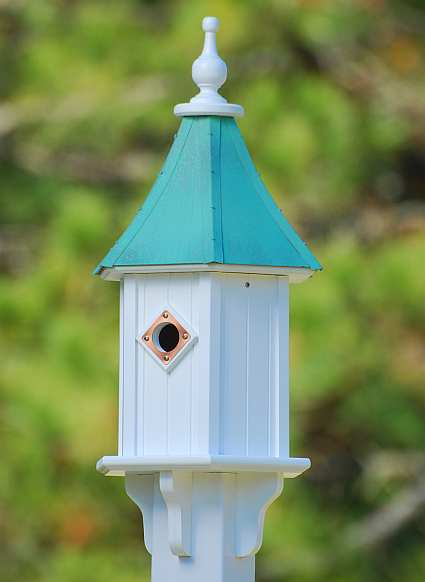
295	274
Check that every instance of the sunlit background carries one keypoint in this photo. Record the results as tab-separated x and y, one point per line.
334	94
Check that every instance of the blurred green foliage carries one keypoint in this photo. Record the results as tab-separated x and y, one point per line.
335	118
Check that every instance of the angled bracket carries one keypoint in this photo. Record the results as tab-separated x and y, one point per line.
241	507
255	492
176	489
140	489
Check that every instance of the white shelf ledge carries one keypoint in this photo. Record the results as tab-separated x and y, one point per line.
120	466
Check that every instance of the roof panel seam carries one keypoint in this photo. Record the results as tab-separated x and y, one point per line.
218	206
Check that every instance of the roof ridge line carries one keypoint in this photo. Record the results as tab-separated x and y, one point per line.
215	186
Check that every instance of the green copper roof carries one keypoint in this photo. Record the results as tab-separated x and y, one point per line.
208	205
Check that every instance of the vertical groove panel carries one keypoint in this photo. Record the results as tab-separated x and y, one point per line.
283	391
215	361
155	409
205	397
234	352
194	372
275	372
270	420
141	294
249	364
179	380
121	371
129	365
136	363
259	298
194	391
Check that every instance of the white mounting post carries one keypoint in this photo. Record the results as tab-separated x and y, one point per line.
203	526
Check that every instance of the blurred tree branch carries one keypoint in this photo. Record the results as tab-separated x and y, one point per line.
389	519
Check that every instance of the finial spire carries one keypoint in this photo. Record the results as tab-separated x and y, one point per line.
209	72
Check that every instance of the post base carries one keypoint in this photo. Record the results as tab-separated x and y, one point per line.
203	527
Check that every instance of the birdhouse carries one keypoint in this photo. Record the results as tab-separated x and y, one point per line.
204	270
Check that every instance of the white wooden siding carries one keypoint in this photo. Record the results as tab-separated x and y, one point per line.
253	388
229	393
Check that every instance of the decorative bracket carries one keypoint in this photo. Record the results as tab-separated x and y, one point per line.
140	489
255	492
241	501
176	489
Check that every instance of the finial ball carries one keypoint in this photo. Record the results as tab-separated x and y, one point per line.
210	24
209	72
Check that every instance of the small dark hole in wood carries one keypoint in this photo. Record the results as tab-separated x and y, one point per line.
168	337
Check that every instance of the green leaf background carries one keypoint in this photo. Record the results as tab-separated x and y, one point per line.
334	94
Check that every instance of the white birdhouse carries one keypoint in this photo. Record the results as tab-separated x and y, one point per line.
205	269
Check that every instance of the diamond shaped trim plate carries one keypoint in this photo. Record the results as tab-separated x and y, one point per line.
149	339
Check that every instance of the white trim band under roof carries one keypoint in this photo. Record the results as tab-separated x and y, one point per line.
295	274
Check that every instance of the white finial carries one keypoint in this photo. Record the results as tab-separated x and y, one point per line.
209	72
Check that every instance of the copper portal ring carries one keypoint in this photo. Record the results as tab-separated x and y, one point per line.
166	318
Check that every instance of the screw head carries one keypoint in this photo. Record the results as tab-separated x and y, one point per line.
165	315
166	358
247	284
185	335
146	338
